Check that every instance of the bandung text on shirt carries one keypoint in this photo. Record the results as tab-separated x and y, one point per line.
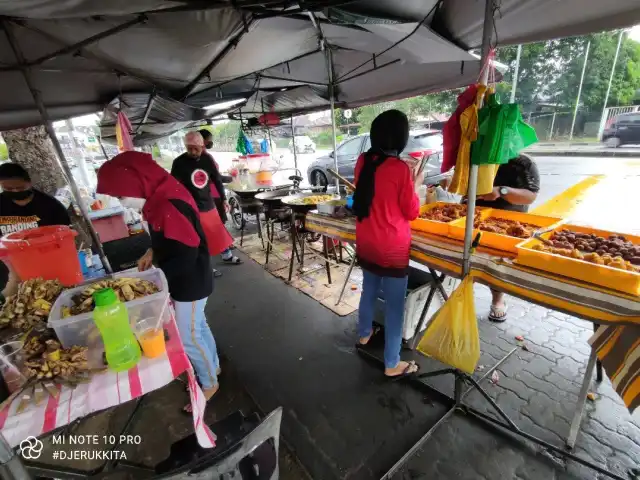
17	224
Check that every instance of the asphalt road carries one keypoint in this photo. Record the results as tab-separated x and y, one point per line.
559	173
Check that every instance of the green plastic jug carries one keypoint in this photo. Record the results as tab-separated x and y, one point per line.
120	344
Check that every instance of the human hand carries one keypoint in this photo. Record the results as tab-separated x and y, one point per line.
490	197
227	207
146	261
419	180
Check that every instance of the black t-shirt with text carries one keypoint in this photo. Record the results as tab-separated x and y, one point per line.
41	211
520	172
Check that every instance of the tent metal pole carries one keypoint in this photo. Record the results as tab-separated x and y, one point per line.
104	152
26	73
472	188
293	144
332	99
606	97
575	110
514	83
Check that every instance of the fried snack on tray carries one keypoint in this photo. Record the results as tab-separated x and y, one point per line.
55	361
447	213
313	199
31	305
503	226
615	251
126	289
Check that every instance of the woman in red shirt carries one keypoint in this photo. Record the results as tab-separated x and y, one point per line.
385	202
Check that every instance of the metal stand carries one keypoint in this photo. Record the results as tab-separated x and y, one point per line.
346	279
503	424
436	286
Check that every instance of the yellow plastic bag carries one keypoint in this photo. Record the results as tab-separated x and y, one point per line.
452	336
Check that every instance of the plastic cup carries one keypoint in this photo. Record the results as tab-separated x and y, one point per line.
12	365
151	338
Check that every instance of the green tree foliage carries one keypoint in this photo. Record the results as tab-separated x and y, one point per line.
550	71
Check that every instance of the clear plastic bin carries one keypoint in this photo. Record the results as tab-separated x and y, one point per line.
82	331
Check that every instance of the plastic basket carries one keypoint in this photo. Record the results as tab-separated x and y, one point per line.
81	329
498	241
432	227
601	275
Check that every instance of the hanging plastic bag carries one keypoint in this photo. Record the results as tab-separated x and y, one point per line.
452	336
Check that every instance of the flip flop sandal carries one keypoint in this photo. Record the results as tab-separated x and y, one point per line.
233	260
405	373
497	315
217	273
374	332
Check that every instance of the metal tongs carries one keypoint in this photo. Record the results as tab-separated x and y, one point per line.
538	233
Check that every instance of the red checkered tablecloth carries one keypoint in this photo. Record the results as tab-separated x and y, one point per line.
108	389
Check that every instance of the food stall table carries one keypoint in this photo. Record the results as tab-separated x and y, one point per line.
583	300
105	390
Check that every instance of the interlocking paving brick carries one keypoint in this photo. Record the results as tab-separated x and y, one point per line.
538	389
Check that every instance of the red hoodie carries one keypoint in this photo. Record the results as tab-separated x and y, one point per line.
383	239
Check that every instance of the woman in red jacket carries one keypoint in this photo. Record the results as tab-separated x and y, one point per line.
385	202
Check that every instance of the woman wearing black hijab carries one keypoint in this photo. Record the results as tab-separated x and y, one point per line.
385	202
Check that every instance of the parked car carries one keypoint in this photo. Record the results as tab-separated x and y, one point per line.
303	145
622	129
421	142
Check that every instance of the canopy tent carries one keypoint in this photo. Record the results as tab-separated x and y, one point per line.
60	58
85	53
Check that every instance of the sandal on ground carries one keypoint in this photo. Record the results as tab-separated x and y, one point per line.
233	260
374	332
497	314
406	373
217	273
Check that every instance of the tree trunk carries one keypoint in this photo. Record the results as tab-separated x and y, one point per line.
32	148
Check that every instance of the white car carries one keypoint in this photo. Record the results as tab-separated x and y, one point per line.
303	144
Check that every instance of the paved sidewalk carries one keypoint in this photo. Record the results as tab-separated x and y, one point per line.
344	422
538	389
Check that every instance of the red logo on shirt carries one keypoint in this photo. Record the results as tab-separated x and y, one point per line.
199	178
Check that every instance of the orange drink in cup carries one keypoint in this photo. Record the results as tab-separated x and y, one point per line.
151	338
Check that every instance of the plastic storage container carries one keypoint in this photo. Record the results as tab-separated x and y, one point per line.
432	227
498	241
122	350
601	275
47	252
81	329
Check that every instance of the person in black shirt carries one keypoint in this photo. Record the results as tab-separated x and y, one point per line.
179	248
515	187
21	208
196	170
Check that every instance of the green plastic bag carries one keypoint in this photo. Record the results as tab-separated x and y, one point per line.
502	134
452	335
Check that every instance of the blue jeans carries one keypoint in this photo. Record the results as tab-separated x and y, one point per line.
198	340
394	291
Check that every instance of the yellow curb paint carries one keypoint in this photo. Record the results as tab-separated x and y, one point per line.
563	204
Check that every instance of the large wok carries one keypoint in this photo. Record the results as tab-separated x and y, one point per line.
291	202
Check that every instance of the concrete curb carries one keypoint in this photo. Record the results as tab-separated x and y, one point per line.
583	153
